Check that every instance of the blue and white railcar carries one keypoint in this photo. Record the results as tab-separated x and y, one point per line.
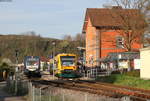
32	66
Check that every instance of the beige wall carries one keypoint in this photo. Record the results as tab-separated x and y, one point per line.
145	63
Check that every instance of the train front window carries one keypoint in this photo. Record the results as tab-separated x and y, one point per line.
68	60
32	63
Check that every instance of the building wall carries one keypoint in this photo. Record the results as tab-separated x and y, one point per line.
107	44
145	63
90	44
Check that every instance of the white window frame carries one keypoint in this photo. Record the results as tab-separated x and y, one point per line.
119	42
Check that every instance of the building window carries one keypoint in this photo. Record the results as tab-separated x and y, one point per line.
119	42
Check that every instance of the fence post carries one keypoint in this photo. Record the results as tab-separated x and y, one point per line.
50	95
84	74
30	91
40	94
88	73
33	95
91	70
125	98
96	72
63	97
86	97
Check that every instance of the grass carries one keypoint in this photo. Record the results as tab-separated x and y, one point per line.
126	80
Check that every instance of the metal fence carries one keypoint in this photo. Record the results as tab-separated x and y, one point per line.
17	88
49	93
96	72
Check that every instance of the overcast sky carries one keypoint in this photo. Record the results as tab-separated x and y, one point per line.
49	18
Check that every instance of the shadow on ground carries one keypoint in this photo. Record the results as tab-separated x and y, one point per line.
4	96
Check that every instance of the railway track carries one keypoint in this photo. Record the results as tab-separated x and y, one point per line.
99	88
134	93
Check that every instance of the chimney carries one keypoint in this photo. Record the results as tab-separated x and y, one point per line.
116	7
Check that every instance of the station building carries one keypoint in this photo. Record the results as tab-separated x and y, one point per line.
102	28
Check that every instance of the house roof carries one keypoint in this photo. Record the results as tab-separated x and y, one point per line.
44	59
109	17
122	56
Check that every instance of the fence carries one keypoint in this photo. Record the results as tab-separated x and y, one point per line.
18	88
95	72
49	93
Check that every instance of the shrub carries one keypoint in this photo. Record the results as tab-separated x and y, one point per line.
135	73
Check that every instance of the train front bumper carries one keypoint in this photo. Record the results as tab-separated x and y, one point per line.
68	74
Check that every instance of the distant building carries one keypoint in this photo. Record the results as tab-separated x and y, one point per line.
45	63
102	34
123	60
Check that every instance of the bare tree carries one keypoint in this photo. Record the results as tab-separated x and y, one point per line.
67	37
132	4
79	37
130	16
147	33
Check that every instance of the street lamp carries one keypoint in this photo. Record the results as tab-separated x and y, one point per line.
81	49
54	44
16	71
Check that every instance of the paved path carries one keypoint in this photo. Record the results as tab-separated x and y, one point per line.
7	97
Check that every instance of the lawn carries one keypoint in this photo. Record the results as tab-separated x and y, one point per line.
126	79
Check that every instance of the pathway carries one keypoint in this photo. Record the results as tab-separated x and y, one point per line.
7	97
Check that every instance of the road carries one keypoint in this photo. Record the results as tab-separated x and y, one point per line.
7	97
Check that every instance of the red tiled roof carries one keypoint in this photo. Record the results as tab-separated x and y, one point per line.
104	17
44	59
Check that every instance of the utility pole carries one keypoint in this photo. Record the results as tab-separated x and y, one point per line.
54	44
16	72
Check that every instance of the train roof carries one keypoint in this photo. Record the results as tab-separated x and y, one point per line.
66	54
32	57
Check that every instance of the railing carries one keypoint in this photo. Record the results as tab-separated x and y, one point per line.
96	72
22	87
50	93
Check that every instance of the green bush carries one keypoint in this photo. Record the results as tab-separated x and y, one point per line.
135	73
126	80
115	72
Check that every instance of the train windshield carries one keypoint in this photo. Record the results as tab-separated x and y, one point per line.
32	62
68	60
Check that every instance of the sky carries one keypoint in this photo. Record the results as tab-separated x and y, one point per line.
49	18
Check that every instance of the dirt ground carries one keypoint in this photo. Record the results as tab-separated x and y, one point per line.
8	97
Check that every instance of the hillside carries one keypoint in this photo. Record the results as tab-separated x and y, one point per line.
33	45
